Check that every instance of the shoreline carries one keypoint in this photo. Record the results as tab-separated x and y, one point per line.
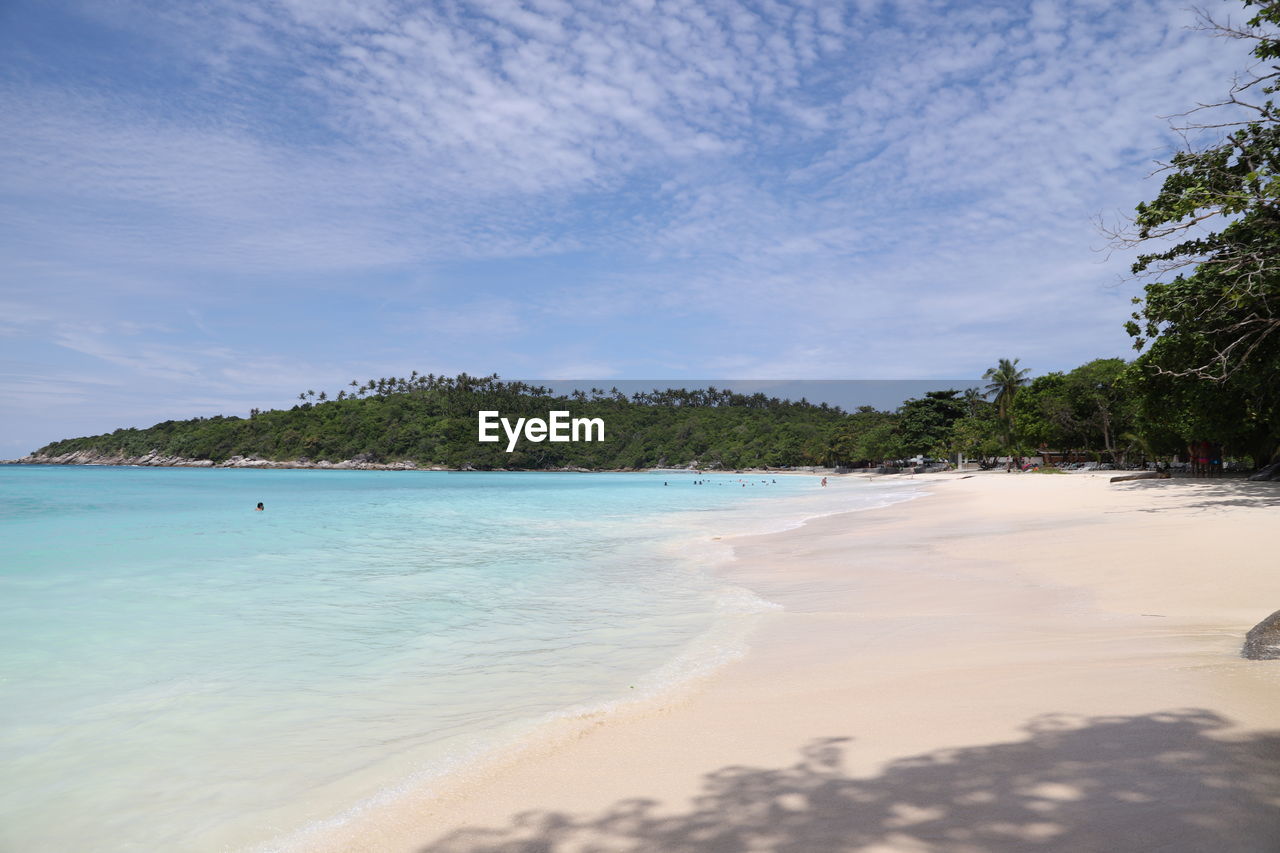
997	619
155	460
673	682
694	540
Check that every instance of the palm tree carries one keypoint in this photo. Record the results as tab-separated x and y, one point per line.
1004	380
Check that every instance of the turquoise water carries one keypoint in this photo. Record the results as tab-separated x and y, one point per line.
178	671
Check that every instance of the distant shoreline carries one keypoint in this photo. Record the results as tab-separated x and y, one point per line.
159	460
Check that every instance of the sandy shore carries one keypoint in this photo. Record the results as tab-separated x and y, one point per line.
1013	662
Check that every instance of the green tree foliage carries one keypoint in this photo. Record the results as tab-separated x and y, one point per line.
1086	410
925	424
1170	411
1003	381
868	436
1043	415
1209	319
1100	401
976	434
1105	408
433	421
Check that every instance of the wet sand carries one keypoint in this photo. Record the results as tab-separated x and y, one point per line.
1014	662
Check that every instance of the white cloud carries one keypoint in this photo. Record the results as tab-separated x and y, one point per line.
833	189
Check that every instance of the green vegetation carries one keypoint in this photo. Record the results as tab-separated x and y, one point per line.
433	421
1093	412
1090	413
1209	320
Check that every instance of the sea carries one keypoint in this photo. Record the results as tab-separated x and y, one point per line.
179	671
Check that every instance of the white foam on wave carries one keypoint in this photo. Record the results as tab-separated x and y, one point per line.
882	502
737	610
737	613
797	510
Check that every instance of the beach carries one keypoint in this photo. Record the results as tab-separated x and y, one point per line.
1011	662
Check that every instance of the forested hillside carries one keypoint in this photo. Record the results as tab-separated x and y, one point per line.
1106	410
433	421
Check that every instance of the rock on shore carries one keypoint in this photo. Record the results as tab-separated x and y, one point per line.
1263	640
159	460
1270	472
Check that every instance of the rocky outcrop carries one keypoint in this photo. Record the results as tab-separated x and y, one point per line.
94	457
1270	472
157	459
1263	640
322	464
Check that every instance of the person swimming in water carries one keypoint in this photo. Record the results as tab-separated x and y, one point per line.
260	507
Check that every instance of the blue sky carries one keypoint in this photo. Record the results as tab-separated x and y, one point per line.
211	206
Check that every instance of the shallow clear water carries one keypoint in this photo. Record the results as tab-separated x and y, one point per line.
178	671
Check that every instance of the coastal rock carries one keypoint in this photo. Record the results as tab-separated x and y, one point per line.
155	459
254	462
1263	640
1270	472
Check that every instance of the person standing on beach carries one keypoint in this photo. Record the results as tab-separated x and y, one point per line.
1203	449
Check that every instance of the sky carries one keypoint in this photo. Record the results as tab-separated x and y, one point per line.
207	207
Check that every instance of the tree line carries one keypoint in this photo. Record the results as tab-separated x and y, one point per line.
432	420
1106	410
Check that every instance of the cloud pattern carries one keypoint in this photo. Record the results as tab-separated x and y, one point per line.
218	203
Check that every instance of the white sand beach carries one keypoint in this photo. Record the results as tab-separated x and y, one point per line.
1014	662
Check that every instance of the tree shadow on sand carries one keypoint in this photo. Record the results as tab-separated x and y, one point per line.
1109	784
1212	493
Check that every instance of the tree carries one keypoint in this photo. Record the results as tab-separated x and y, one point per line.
1003	381
1084	409
1171	411
925	423
1043	415
868	435
977	433
1099	401
1210	311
